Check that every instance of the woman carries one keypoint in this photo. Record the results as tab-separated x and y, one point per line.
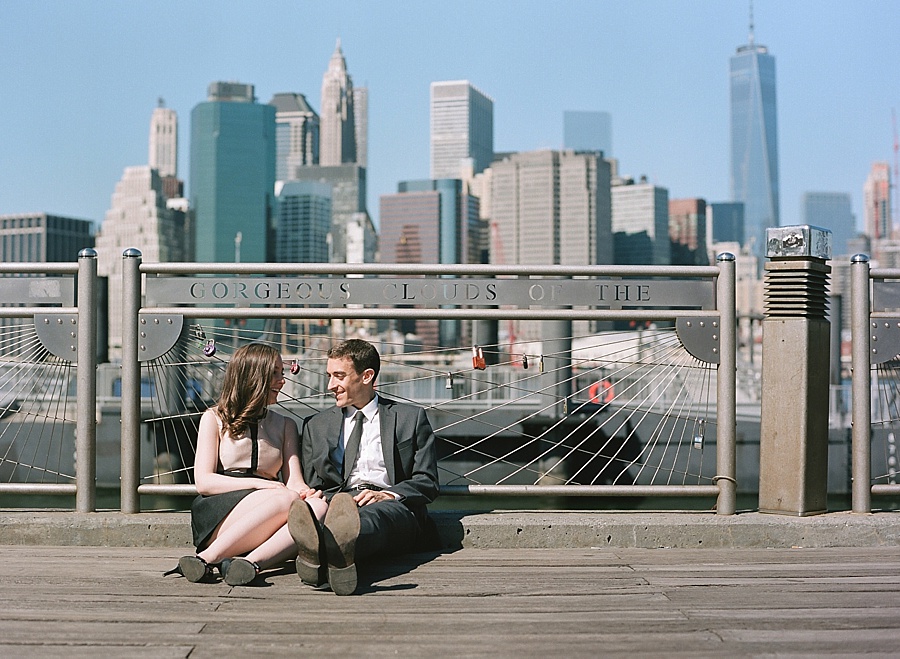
242	507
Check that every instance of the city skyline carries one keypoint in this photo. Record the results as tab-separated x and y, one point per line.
667	95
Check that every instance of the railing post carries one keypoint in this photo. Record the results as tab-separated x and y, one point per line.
793	442
861	385
86	379
726	388
131	382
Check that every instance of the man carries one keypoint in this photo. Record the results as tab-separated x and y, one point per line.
375	459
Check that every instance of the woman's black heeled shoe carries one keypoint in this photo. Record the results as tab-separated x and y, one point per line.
192	568
238	571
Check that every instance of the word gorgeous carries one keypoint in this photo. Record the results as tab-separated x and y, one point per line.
429	291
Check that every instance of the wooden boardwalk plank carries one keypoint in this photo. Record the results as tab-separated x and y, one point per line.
89	601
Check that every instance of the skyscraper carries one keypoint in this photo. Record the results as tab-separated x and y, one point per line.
462	127
296	134
164	141
831	210
304	220
163	151
754	140
338	133
588	131
233	175
877	202
343	152
640	224
551	207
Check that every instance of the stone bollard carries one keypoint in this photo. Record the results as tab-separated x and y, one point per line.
793	445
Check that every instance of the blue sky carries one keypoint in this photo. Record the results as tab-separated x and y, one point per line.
80	79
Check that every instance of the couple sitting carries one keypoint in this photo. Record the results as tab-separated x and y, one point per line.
354	483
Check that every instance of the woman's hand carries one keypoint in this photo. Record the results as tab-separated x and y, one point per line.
310	493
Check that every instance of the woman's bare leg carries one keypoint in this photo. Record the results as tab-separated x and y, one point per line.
277	549
281	546
253	521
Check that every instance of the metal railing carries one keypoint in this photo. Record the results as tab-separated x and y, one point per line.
673	383
67	334
62	335
709	325
875	300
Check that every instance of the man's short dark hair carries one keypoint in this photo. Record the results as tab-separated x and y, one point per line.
362	353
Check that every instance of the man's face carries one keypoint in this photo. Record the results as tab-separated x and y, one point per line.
348	386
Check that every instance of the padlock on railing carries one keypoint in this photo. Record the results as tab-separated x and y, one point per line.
699	435
478	362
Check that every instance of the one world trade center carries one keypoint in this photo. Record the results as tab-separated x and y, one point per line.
754	144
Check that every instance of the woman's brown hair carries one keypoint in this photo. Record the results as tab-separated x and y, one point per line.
245	389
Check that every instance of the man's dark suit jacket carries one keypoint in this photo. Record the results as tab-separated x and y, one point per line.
407	441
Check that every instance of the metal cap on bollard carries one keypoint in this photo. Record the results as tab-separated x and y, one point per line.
803	241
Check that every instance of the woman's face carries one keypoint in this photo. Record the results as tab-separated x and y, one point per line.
277	380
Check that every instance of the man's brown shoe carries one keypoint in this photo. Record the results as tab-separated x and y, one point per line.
306	532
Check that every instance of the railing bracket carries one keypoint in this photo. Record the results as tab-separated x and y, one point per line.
884	339
157	334
58	333
700	337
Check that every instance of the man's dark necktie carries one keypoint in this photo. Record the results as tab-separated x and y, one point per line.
351	449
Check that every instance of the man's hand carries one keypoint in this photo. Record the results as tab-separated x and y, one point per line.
366	497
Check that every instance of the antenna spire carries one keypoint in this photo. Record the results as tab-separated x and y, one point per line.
751	22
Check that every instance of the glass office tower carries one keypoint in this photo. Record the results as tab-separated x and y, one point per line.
304	221
754	145
233	176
